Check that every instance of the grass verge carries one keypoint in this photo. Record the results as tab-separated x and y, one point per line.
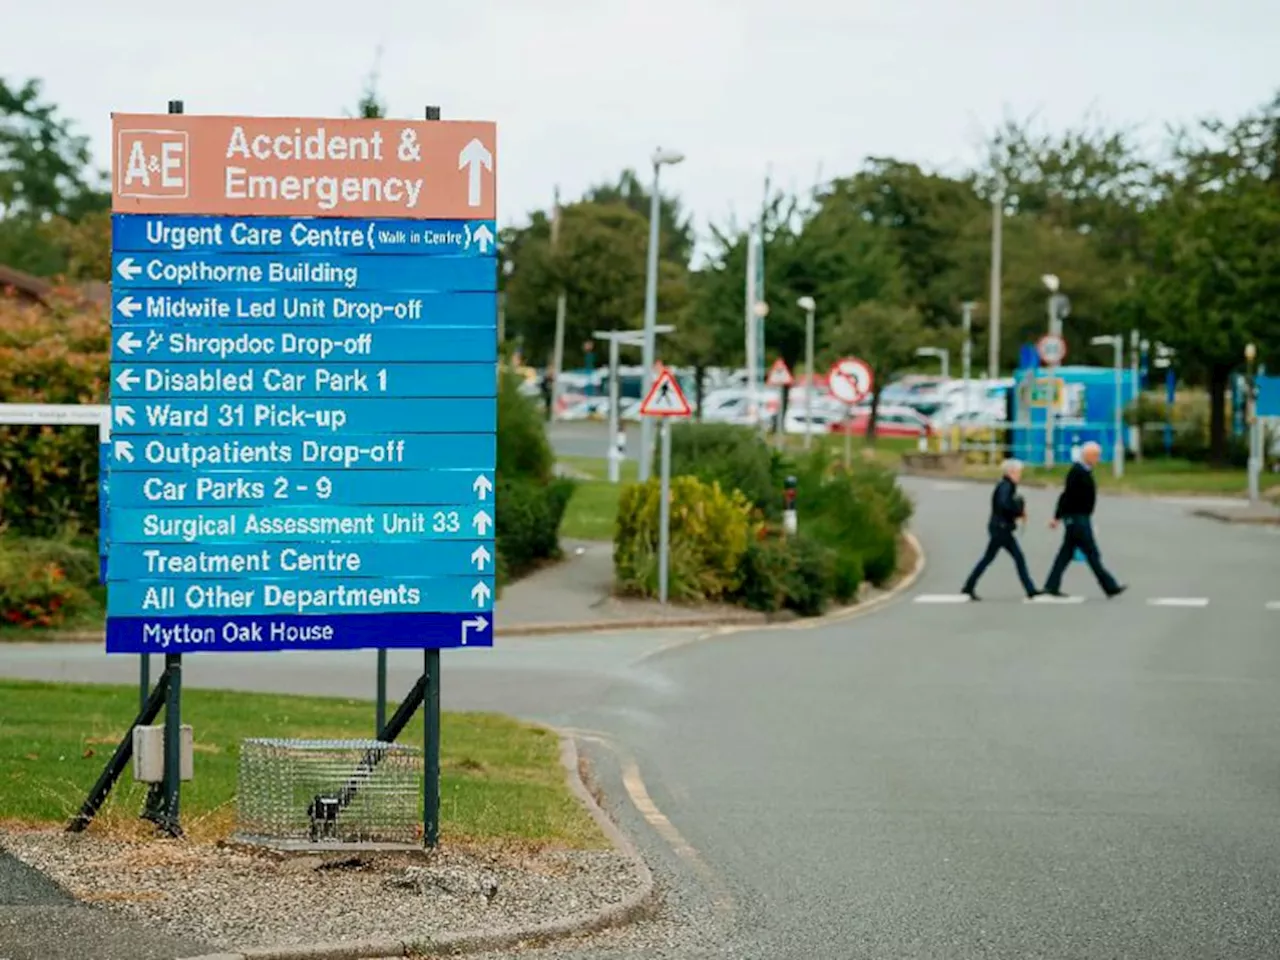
501	780
593	507
1163	477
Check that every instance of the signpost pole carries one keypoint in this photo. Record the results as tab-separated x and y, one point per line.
380	709
431	749
848	436
664	514
615	396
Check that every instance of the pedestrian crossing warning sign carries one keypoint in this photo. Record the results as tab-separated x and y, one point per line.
665	398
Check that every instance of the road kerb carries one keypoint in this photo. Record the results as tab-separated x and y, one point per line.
636	906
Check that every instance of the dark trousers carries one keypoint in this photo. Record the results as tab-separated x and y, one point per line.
1001	538
1077	534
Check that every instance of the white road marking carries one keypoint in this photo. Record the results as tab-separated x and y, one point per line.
1044	598
942	598
1273	605
1178	601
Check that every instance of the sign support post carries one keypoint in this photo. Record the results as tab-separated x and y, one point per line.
664	516
664	401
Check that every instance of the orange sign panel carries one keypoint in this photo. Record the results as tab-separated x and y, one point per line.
282	166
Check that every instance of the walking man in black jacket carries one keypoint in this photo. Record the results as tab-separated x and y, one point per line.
1007	508
1075	513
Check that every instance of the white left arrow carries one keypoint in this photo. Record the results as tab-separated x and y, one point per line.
127	379
124	416
481	521
472	158
128	269
482	486
475	623
480	593
128	343
483	237
480	556
124	451
128	306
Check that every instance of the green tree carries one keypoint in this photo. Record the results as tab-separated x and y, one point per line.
675	226
1214	281
45	172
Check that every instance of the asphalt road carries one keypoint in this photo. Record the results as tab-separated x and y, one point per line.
995	780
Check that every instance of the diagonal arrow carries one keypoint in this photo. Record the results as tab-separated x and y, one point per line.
472	158
128	269
124	451
127	379
124	416
128	307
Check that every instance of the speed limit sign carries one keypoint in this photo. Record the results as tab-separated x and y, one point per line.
1052	349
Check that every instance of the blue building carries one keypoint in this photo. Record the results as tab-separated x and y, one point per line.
1083	401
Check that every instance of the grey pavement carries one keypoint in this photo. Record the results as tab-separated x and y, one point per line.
995	780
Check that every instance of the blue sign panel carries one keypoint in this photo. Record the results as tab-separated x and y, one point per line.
156	234
176	308
303	446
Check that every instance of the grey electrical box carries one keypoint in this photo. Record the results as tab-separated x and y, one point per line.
148	754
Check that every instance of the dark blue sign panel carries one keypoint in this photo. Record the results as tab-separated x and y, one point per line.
303	440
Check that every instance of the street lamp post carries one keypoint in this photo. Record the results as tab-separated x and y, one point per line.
810	307
1059	308
659	159
1254	423
966	359
1116	341
943	354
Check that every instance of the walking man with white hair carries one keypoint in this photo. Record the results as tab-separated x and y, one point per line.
1075	513
1007	508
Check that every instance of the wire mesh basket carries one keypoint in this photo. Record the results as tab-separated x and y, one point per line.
328	794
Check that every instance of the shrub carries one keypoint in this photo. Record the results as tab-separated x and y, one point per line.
51	355
709	533
528	522
735	457
793	573
523	448
43	582
858	513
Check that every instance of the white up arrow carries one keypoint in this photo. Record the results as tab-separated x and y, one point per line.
482	486
127	379
128	343
480	593
483	237
480	556
128	269
472	157
124	416
475	623
128	306
124	451
481	522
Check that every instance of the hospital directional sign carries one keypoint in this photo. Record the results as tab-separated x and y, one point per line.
303	384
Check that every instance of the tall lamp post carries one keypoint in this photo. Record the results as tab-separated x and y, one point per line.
1116	341
1253	423
1059	308
809	307
659	159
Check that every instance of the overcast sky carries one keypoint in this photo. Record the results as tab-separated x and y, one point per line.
582	88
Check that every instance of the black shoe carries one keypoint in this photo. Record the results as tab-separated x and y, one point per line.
971	595
1032	594
1121	588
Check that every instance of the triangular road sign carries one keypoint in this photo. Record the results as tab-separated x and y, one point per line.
779	375
665	398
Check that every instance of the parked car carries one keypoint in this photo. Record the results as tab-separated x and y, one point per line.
891	421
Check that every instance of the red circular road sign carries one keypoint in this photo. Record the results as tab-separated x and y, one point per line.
1052	349
850	380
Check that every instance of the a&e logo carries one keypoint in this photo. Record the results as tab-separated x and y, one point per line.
153	163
